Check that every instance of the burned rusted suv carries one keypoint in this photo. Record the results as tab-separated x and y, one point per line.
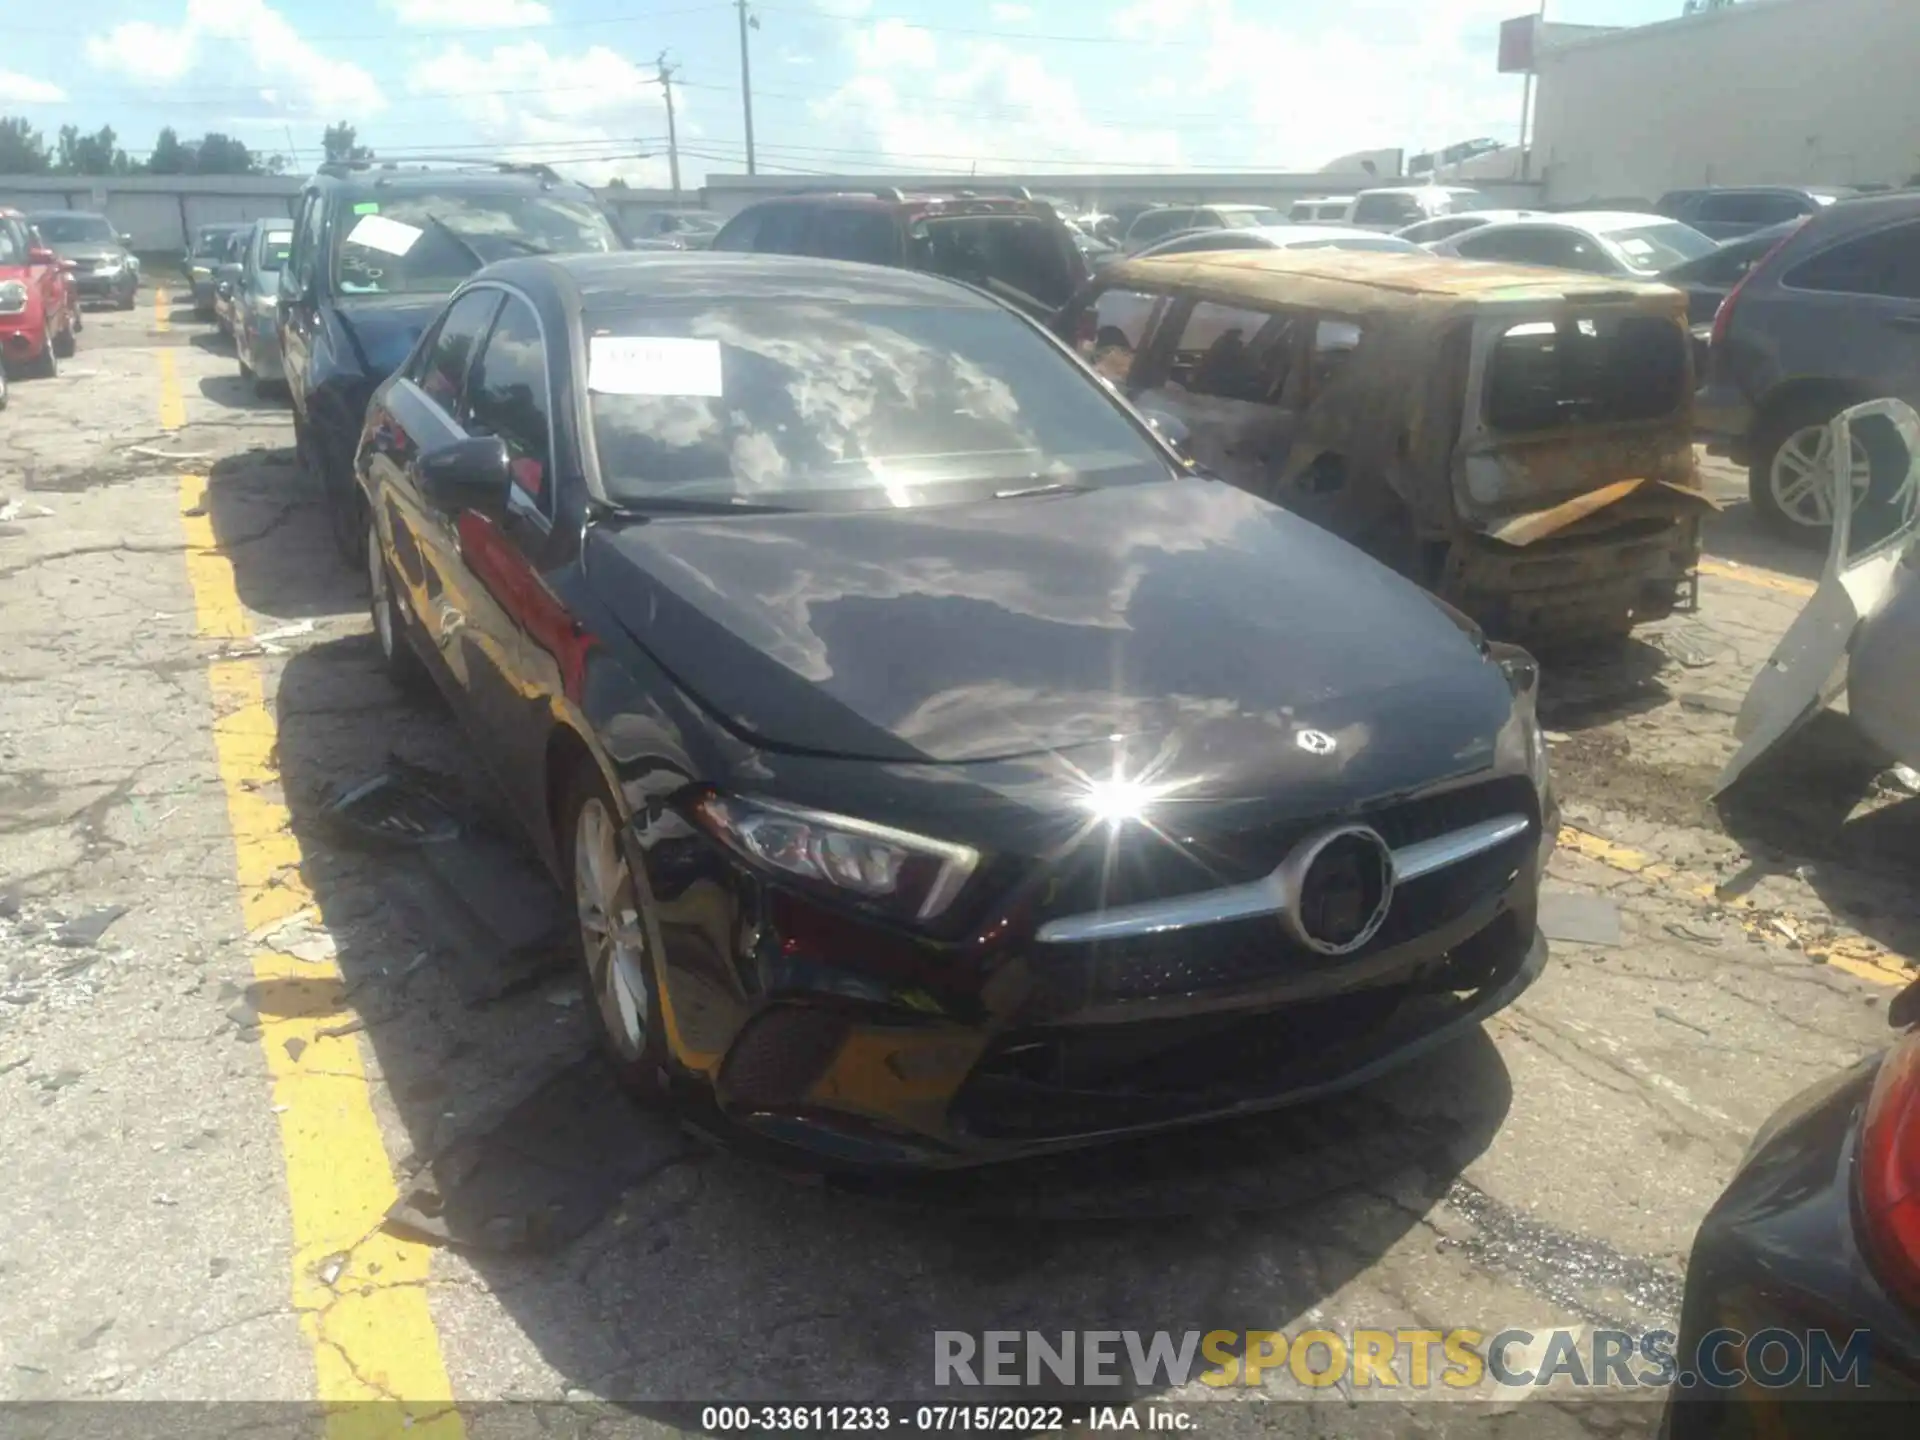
1516	440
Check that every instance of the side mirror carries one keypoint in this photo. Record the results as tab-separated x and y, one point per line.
1169	428
471	474
224	289
126	239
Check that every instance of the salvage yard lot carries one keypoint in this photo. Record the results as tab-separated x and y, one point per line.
285	1030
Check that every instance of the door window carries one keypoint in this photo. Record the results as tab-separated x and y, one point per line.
1233	354
860	234
783	230
307	244
443	369
507	396
1386	210
1886	262
741	232
1751	208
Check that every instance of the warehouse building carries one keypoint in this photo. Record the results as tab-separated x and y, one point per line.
1807	92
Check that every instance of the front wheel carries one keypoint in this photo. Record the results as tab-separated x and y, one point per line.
46	365
1790	478
397	655
616	944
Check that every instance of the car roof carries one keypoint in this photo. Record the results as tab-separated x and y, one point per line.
1284	235
623	278
402	178
1420	190
1594	222
1357	280
65	215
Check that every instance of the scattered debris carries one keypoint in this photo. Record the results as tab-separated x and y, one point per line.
1579	919
1904	778
58	1080
195	512
295	1047
217	1266
302	938
1693	645
17	509
334	1032
1707	700
390	810
286	632
1682	930
87	928
1667	1014
162	1198
1786	928
330	1268
9	1066
93	1336
149	452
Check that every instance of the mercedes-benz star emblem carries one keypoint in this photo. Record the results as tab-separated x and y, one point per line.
1316	742
1339	887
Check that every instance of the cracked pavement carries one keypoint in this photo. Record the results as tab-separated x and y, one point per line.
1550	1170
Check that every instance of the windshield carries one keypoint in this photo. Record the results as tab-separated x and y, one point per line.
76	230
1653	248
1019	258
422	243
275	246
817	404
1241	219
211	242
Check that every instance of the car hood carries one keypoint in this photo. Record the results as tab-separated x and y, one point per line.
90	253
382	331
976	631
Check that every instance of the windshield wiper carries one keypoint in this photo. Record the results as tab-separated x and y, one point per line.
454	235
523	245
1047	487
687	505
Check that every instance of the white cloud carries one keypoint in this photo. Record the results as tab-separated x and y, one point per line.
17	89
242	43
1342	75
469	14
594	105
946	106
1010	14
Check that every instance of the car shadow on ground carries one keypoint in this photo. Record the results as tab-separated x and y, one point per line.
235	392
1817	805
645	1265
1591	685
1736	535
271	520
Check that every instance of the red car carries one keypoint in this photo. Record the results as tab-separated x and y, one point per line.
39	310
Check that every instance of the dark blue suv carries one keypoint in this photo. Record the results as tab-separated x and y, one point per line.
377	248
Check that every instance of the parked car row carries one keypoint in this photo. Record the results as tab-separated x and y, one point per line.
40	316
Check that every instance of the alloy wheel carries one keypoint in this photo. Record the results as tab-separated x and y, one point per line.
1803	470
610	930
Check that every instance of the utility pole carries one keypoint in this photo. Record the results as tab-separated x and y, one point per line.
747	19
673	136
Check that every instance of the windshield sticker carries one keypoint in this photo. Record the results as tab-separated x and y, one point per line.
653	365
376	232
367	207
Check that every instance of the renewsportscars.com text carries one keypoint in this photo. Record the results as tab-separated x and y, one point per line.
1401	1359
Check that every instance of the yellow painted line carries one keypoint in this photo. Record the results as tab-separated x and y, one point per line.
1757	576
173	408
1854	954
359	1292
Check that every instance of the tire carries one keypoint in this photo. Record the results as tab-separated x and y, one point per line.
45	365
390	624
63	343
617	955
3	387
1786	477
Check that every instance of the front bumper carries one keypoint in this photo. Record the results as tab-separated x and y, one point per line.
23	336
814	1032
1780	1250
204	291
118	285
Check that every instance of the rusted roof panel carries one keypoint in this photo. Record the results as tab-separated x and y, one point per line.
1352	280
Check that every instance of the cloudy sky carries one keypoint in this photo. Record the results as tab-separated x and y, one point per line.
839	85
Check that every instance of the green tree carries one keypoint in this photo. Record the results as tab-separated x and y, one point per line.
169	156
219	154
22	151
95	154
340	142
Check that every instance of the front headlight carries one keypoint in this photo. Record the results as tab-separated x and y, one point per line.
909	876
1521	747
13	297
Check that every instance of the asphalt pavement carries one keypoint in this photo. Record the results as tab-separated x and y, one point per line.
235	1035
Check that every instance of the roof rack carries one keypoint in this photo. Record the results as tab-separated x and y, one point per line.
536	168
968	190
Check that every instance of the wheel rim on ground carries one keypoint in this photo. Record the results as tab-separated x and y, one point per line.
380	599
610	929
1802	472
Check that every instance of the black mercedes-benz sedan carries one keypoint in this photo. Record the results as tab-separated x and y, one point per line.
943	768
1802	1309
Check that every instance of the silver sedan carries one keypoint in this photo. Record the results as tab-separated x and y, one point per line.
256	338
